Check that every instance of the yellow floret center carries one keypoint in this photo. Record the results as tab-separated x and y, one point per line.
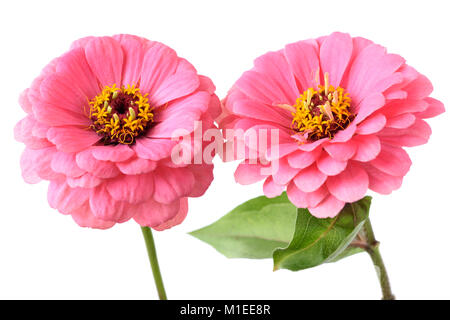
321	112
120	115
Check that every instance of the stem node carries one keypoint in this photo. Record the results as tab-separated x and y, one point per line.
373	249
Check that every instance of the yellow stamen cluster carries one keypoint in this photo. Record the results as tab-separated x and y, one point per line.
120	114
321	112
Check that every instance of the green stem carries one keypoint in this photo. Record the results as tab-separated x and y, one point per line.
151	250
373	250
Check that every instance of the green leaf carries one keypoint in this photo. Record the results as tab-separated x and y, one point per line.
252	230
318	241
349	251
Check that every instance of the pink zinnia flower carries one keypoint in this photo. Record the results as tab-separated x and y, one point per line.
344	109
99	127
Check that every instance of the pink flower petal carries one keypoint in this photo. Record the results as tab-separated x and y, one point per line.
112	153
152	213
40	130
262	88
330	166
369	67
415	135
349	186
87	180
344	135
179	217
24	101
306	199
160	62
395	95
64	198
84	217
272	189
136	166
328	208
180	116
172	184
249	173
419	88
381	182
105	57
215	107
132	189
435	108
57	91
308	147
265	131
335	54
341	151
81	43
359	44
248	108
389	85
206	84
27	166
281	150
369	105
304	61
49	70
183	82
134	49
203	174
247	123
398	107
72	139
23	132
310	179
392	160
51	115
74	66
101	169
401	121
153	149
284	173
36	165
65	163
275	66
368	148
303	159
106	208
409	74
372	125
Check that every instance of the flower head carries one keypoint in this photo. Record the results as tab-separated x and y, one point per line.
344	109
99	126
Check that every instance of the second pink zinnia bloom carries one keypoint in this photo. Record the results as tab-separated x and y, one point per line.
344	108
99	127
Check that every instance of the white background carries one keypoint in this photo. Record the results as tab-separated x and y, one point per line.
44	254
